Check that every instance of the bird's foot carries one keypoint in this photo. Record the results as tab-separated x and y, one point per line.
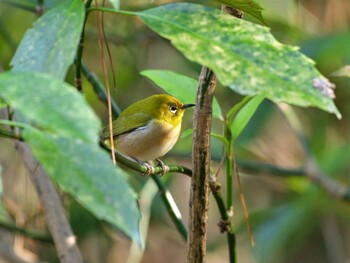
165	168
149	168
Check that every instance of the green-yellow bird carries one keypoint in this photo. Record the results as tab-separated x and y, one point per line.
149	128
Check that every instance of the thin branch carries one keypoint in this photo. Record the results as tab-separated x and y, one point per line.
111	10
333	187
312	170
165	195
225	223
256	168
10	135
143	169
78	59
56	219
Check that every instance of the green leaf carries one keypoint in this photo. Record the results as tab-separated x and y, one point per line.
87	173
244	115
244	56
67	146
182	87
50	104
343	72
51	45
248	6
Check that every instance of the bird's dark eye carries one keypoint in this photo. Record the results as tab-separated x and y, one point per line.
173	109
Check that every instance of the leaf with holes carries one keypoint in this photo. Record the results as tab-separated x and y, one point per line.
248	6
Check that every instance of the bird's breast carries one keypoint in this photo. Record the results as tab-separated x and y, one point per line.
150	141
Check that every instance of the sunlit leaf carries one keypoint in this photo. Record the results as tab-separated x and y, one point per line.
50	46
182	87
244	56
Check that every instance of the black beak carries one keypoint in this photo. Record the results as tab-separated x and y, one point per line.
186	106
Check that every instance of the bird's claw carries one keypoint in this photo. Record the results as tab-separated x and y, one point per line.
149	169
165	168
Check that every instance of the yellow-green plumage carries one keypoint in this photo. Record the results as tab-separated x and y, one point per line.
149	128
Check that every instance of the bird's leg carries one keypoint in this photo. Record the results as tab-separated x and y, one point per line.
149	168
164	167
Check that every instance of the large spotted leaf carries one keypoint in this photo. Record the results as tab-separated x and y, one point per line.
244	56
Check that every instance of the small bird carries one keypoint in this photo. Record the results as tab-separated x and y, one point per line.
148	128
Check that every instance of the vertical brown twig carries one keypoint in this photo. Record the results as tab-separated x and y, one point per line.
198	219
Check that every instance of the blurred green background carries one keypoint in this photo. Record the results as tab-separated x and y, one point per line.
293	220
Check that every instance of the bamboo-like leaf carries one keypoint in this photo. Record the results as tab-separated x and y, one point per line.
244	115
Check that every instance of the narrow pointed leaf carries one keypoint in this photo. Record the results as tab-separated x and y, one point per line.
244	56
50	46
180	86
244	115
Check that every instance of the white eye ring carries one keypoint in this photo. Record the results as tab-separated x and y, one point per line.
173	109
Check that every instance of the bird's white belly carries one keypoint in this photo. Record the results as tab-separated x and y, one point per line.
149	142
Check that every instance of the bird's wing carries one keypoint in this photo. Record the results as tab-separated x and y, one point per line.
126	123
